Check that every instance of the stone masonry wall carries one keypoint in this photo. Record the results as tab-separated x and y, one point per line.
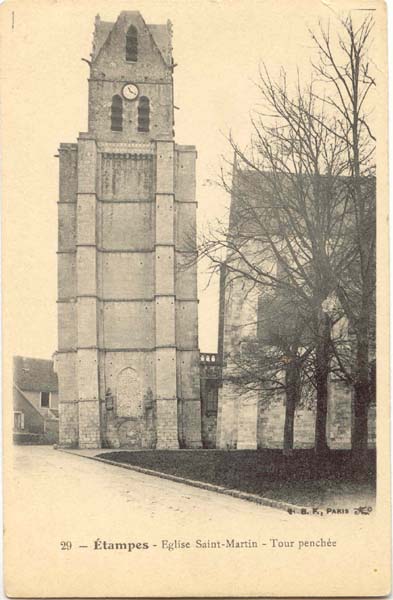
210	384
237	429
249	421
65	361
128	325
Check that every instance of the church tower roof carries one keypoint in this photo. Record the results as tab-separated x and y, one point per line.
161	34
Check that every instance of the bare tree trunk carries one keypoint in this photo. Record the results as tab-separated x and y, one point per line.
321	447
353	80
292	380
361	386
362	392
289	422
360	423
360	408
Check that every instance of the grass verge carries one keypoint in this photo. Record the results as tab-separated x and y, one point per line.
299	479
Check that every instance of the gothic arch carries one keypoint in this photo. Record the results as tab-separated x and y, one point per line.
128	393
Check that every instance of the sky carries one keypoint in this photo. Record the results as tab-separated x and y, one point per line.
218	47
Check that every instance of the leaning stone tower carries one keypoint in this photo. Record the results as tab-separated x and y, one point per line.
128	358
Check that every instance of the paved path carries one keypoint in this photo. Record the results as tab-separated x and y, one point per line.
61	497
98	488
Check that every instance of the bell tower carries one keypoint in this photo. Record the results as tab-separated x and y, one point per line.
128	358
131	80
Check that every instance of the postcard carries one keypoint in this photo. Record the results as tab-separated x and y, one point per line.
196	302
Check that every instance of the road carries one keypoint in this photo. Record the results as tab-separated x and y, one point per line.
101	489
60	498
75	527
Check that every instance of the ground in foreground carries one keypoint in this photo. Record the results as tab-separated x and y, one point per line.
299	479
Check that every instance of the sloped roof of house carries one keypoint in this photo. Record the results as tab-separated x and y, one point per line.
34	374
256	195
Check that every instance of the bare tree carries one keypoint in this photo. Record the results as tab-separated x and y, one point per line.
346	71
302	221
289	216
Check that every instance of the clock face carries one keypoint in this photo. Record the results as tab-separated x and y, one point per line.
130	91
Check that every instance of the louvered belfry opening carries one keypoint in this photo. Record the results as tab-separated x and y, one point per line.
132	44
117	114
144	114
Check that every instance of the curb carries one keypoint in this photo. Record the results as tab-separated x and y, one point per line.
293	508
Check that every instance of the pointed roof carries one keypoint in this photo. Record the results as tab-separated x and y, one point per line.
160	34
101	31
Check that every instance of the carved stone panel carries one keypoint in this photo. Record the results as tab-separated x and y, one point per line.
128	394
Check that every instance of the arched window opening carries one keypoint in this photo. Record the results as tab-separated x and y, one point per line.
117	114
132	44
144	114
